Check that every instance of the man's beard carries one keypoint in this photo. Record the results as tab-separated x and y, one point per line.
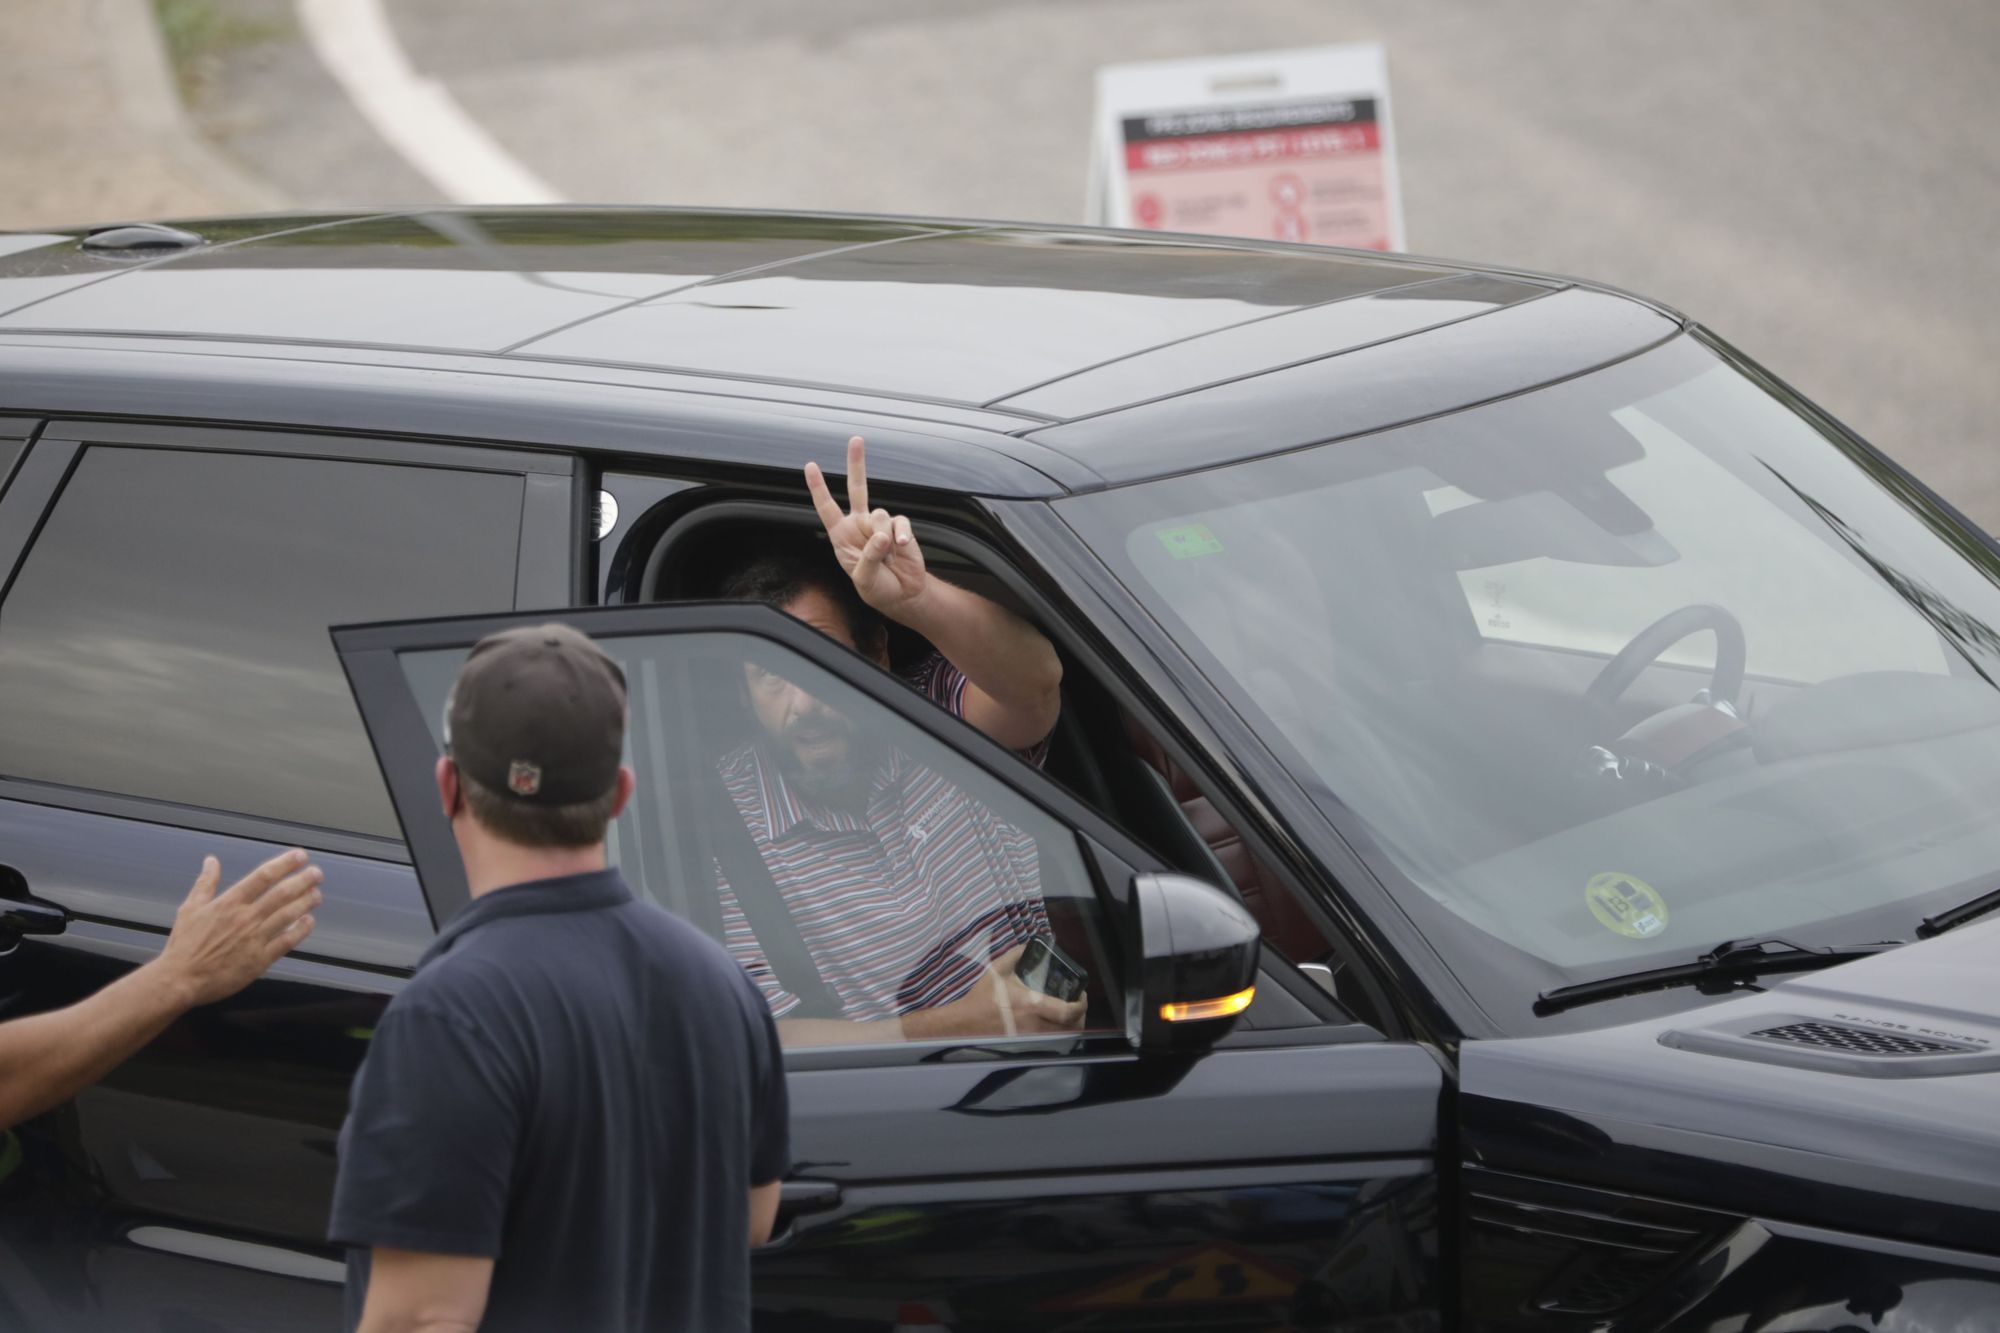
840	774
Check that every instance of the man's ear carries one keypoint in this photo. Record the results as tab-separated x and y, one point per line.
626	784
448	789
878	652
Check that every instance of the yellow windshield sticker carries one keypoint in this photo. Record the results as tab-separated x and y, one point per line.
1189	540
1626	905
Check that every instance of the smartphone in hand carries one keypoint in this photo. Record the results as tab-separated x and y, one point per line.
1045	968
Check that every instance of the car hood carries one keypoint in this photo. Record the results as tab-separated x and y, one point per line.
1864	1097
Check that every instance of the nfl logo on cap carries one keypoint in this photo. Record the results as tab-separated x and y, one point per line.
524	778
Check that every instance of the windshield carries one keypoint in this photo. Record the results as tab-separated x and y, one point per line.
1609	672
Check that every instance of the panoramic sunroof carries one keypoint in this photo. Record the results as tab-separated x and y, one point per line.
968	317
475	281
1247	349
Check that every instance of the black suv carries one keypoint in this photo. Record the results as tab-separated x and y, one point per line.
1603	741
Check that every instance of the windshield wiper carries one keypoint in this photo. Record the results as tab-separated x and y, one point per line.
1728	963
1959	915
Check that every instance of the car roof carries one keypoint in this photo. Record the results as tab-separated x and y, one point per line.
1016	359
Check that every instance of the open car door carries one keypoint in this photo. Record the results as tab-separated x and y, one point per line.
1281	1177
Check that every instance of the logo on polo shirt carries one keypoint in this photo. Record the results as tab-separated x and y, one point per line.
932	815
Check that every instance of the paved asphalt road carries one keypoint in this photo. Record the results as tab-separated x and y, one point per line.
1818	180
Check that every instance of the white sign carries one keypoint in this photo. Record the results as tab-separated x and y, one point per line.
1284	145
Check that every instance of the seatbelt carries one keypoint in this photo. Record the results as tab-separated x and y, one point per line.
757	894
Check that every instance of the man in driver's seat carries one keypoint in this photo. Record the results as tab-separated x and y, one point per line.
912	898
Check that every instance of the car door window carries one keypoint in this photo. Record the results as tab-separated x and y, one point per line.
861	870
1124	776
166	637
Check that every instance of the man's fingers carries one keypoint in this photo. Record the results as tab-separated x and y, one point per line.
288	939
823	502
1057	1013
872	556
857	476
264	876
1006	962
205	882
290	896
1053	1007
901	529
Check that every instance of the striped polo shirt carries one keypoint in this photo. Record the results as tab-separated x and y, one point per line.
902	908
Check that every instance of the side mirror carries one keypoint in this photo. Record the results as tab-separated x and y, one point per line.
1197	965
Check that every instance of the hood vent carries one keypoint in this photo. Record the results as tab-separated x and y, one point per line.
1858	1040
1837	1046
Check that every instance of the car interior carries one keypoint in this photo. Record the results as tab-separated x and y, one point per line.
1566	635
1103	754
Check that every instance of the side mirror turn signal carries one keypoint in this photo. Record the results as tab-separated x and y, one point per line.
1197	965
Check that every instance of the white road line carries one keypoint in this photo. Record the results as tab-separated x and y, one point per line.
416	114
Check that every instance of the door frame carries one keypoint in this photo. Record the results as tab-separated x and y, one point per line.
1162	710
407	753
967	1120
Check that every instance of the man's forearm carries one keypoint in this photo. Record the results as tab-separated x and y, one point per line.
1010	662
919	1025
413	1292
48	1058
800	1032
995	1005
406	1321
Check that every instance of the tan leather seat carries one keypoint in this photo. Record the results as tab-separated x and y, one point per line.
1286	927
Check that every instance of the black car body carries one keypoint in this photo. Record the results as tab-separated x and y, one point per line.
1344	554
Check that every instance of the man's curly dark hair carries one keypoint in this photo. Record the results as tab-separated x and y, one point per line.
787	564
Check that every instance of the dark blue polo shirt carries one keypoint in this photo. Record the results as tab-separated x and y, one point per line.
582	1087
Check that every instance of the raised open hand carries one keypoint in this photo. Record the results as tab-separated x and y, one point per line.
875	547
221	942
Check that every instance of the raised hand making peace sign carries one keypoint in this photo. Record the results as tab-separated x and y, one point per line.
875	547
1013	677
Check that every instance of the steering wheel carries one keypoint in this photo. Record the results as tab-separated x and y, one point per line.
1647	645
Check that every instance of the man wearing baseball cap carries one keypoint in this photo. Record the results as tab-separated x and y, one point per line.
574	1115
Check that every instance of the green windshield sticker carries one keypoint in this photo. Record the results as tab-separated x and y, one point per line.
1625	905
1189	540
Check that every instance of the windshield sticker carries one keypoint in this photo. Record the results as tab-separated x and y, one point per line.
1625	905
1189	540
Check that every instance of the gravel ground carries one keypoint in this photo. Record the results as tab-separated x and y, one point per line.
1815	179
89	126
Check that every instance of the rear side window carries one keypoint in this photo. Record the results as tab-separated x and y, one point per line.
167	634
